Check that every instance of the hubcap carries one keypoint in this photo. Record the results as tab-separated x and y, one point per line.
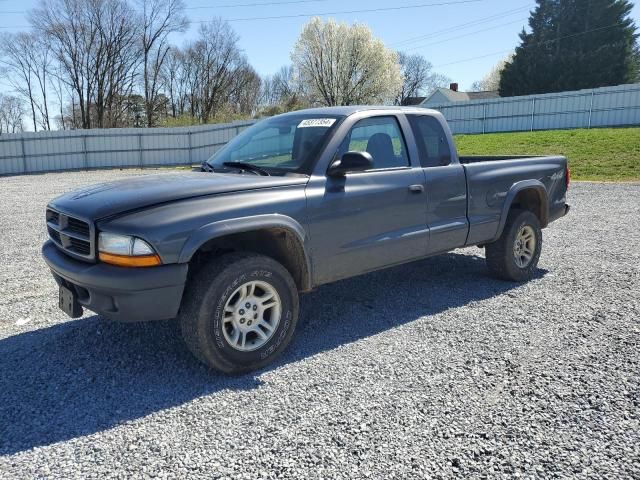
524	246
251	316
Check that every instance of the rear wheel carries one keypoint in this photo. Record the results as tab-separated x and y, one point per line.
514	256
239	312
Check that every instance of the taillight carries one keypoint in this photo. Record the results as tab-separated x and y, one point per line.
567	175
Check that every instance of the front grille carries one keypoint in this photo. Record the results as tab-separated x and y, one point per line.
78	226
70	234
80	246
55	236
53	216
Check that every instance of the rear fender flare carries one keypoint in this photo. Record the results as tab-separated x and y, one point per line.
515	189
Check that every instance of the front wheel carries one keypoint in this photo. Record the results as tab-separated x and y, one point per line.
239	312
514	256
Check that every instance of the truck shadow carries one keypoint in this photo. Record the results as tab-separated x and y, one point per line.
84	376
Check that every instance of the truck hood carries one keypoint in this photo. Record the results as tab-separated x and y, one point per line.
112	198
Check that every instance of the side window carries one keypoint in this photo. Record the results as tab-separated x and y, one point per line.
431	139
381	137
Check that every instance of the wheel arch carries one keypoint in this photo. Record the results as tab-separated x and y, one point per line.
277	236
527	195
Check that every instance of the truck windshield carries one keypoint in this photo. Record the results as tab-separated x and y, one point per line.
286	143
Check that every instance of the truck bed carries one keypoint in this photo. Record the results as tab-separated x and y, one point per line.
491	178
467	159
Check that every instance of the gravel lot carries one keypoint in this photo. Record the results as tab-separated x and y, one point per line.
426	370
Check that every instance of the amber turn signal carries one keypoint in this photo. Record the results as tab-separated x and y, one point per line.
130	261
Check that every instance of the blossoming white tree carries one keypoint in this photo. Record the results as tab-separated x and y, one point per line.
491	81
340	64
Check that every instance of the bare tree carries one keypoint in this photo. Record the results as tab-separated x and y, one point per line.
72	37
283	92
215	60
268	94
159	19
340	64
27	60
61	91
418	77
105	64
174	81
11	113
245	93
285	84
95	45
116	60
278	87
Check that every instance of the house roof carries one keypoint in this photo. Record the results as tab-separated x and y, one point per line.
454	96
413	101
483	95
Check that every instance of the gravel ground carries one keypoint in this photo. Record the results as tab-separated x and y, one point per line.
426	370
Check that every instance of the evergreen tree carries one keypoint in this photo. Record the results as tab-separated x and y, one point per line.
574	44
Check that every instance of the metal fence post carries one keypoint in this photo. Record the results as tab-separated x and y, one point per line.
533	112
190	148
24	156
484	117
85	154
140	150
590	109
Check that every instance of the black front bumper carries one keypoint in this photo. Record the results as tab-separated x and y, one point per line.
118	293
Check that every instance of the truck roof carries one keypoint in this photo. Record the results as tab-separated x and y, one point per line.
351	109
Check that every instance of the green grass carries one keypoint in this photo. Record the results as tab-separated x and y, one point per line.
605	154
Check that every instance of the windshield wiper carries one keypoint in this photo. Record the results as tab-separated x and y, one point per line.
247	166
205	167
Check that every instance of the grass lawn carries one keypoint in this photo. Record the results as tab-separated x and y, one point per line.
611	154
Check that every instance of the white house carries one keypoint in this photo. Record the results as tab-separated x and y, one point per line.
451	95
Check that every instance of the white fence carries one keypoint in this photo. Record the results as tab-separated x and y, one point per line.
112	148
142	147
600	107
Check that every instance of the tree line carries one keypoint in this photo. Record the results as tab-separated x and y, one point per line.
574	44
570	45
110	63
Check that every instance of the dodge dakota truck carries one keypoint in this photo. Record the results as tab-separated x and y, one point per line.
293	202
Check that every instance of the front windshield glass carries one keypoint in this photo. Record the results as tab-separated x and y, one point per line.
286	143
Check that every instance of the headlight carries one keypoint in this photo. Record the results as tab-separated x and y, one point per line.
126	251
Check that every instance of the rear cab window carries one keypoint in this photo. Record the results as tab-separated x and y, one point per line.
431	140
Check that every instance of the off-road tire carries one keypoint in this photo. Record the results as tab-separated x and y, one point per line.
206	294
500	254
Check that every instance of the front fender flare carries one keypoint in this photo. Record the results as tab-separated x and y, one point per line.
222	228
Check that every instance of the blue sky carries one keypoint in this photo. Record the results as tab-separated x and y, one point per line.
461	40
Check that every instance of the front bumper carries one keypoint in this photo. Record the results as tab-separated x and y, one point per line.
118	293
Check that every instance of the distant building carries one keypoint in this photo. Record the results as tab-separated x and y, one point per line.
452	95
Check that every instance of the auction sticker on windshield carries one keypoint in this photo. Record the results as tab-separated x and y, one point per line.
316	122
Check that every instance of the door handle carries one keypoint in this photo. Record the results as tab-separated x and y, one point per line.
416	188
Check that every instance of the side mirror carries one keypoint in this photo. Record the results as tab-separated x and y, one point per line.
351	162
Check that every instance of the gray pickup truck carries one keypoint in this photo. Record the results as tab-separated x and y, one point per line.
296	201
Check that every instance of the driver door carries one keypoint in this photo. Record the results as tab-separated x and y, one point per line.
367	220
